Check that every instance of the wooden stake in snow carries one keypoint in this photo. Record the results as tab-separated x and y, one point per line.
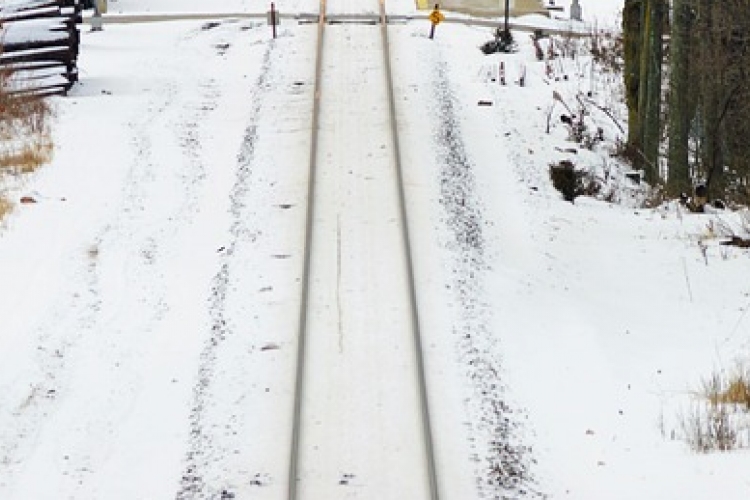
273	19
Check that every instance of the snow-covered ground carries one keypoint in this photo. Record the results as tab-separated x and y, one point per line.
149	314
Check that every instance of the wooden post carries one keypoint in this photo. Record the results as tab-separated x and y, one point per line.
273	19
502	73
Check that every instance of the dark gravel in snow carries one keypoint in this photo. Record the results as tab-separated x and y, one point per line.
194	483
504	462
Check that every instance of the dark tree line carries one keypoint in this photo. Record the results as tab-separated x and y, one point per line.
687	79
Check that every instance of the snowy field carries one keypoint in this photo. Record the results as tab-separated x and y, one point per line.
149	313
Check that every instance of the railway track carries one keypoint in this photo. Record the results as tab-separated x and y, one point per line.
361	424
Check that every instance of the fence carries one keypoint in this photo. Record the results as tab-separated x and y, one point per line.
39	44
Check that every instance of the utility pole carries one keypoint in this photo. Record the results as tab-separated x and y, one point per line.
503	38
507	17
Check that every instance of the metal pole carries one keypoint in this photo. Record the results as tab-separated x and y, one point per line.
96	18
507	15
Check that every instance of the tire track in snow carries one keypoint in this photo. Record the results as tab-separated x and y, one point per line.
23	416
198	480
146	294
77	324
74	322
504	462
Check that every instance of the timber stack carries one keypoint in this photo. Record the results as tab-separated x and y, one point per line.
39	44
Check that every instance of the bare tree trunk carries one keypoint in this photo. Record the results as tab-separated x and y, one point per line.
713	59
649	99
680	111
632	20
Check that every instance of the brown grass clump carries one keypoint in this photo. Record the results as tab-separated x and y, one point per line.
28	157
720	419
733	390
25	138
6	207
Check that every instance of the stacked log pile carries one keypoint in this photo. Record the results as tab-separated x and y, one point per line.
39	43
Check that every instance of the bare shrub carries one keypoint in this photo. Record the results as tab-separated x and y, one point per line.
607	50
25	138
571	182
720	420
709	428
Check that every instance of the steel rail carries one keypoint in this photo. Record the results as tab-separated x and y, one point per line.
302	334
428	436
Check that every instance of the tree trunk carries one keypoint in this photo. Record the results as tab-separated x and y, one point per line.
631	26
649	98
680	111
712	87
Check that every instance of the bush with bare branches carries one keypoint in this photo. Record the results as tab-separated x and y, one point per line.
25	138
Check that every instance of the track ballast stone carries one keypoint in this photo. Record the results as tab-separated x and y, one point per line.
504	462
196	481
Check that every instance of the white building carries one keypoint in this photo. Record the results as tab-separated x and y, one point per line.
491	7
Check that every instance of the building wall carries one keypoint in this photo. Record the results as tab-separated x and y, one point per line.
488	7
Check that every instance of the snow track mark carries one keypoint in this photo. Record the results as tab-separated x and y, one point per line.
207	425
504	461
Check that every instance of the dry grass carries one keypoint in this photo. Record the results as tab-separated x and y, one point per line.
711	429
25	138
28	157
720	419
731	390
6	207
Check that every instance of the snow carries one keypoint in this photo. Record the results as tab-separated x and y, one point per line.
602	13
151	299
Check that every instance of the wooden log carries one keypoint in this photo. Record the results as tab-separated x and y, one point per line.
61	42
11	17
39	45
31	5
736	241
15	40
38	72
43	91
60	54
